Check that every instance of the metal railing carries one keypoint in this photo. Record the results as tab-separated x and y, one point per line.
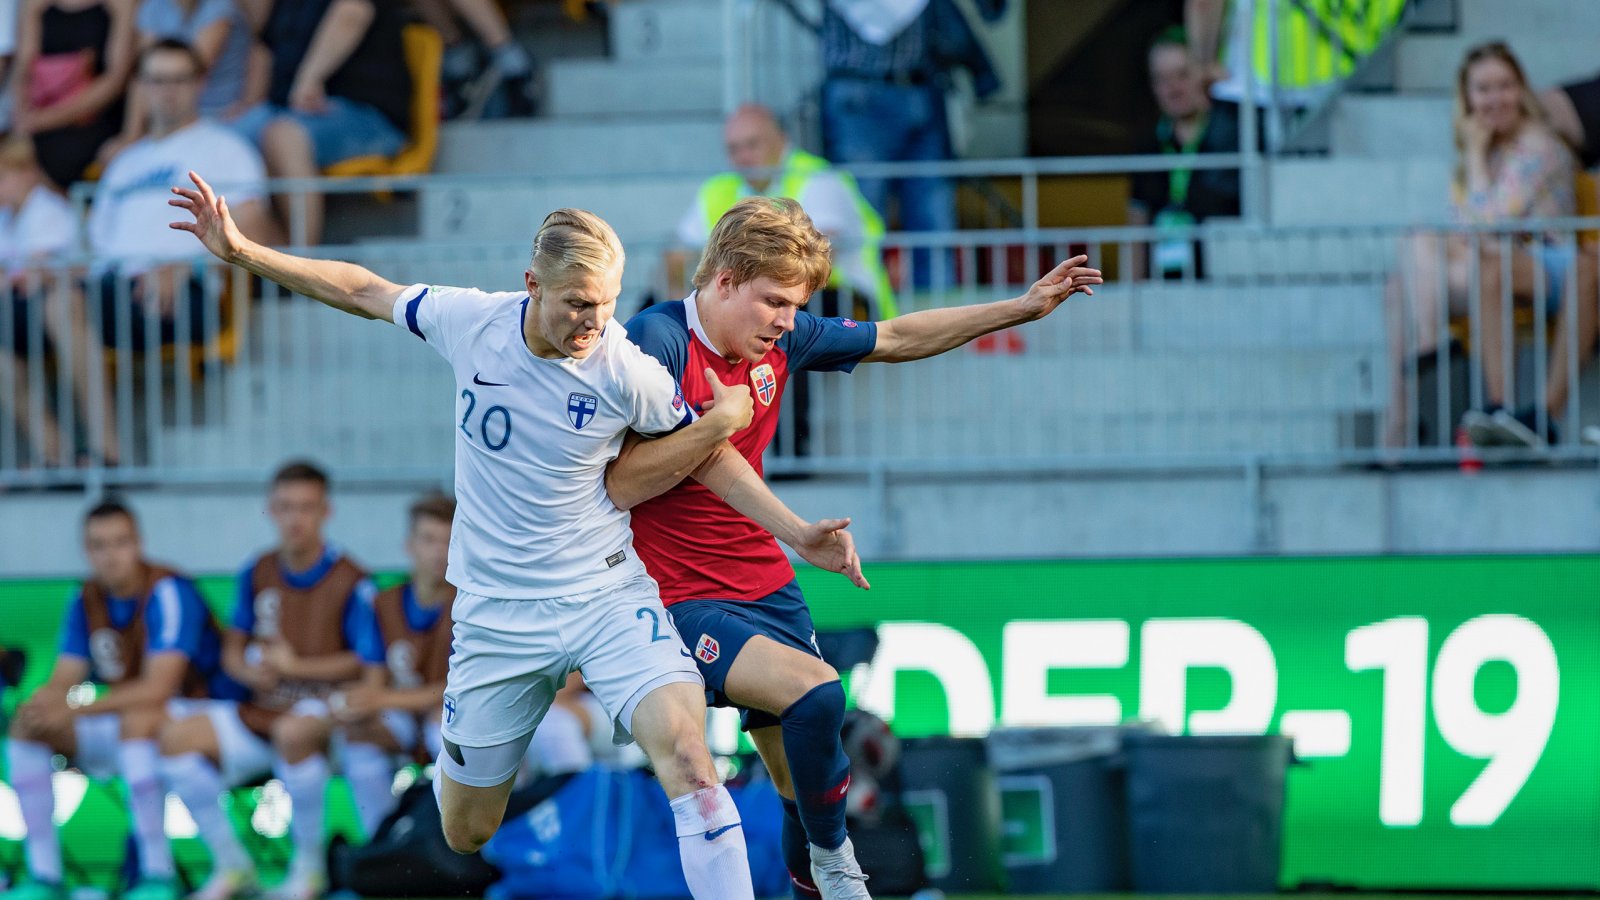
1299	346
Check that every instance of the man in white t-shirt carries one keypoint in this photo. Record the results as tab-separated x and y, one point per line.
139	261
547	578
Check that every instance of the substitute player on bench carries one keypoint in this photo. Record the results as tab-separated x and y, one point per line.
142	630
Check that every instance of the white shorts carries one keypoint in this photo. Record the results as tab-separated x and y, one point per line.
246	756
511	656
100	736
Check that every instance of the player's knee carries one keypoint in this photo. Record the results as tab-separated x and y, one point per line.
691	761
820	709
140	724
170	740
23	730
803	676
297	737
467	834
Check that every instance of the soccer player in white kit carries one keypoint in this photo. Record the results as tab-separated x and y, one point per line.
547	386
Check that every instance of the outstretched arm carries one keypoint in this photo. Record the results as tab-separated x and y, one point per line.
931	332
646	468
341	285
824	543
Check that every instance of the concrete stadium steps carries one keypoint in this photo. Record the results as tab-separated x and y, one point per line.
589	147
590	87
1551	54
667	29
1348	190
1137	404
1135	370
1392	127
313	380
640	209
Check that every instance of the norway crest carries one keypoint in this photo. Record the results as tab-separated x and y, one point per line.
707	650
765	383
580	409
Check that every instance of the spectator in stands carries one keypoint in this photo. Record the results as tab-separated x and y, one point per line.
1191	122
135	253
221	35
508	85
142	631
340	89
301	627
1509	165
766	163
887	70
37	227
73	62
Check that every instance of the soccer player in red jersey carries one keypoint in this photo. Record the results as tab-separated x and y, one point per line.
728	587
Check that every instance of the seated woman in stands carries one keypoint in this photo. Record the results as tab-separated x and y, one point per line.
1509	165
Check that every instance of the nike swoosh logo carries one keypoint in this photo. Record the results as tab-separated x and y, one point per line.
719	832
477	380
685	653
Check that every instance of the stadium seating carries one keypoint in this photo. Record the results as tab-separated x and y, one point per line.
424	51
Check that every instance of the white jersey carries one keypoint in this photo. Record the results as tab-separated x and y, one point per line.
533	437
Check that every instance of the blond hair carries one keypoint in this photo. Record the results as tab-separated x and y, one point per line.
574	239
766	237
1532	112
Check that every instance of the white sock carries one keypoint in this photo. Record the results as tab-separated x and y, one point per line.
370	772
196	782
711	845
148	801
307	784
28	765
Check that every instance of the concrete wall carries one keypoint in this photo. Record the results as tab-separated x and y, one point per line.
927	517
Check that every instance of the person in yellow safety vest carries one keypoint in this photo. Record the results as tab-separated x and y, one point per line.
765	163
1318	43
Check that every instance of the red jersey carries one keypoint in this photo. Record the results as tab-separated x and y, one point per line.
695	545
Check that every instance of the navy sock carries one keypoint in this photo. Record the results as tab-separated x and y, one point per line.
797	854
817	764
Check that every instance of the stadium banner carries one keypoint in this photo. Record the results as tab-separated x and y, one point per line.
1446	709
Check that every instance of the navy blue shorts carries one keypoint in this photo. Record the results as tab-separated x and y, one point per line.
716	630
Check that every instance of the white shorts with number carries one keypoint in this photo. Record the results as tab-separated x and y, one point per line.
511	656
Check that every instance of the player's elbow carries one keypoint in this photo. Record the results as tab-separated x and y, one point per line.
621	497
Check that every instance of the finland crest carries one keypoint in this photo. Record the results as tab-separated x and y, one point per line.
581	409
766	384
707	649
